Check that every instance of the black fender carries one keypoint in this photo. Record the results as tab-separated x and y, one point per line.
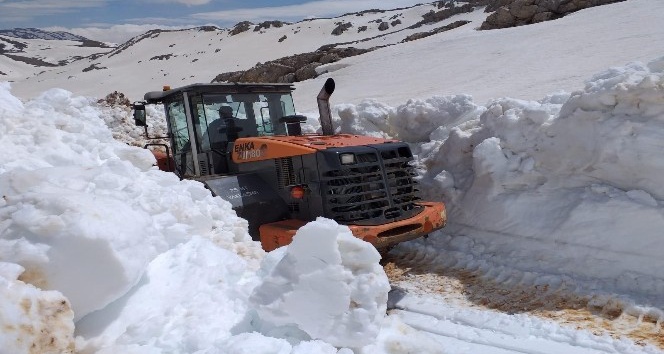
252	199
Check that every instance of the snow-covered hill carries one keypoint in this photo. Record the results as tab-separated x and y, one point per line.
179	57
36	33
525	62
22	58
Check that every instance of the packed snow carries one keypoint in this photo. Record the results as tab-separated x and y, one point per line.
335	270
33	319
574	172
100	252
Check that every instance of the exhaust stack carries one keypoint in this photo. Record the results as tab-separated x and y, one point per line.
324	107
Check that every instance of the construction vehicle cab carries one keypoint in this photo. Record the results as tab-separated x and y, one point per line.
244	142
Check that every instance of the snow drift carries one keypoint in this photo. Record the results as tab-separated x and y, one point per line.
563	191
567	186
83	213
327	283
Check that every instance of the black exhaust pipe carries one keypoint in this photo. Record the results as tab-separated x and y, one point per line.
293	122
324	107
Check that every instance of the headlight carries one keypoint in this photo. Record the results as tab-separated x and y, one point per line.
347	159
297	192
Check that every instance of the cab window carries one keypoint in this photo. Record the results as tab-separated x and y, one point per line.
223	118
177	119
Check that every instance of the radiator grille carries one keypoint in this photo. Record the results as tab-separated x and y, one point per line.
378	188
294	207
203	165
285	174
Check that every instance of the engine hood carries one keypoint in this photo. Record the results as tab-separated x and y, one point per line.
273	147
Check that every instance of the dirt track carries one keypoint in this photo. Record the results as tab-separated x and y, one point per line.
470	289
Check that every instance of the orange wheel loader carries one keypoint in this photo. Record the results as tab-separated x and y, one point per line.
245	143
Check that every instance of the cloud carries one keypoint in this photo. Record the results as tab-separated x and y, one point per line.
193	2
114	33
50	6
313	9
184	2
14	11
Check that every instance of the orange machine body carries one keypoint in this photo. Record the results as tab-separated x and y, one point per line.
244	142
433	217
266	148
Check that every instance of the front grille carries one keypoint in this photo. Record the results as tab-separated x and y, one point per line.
294	207
378	188
285	174
203	165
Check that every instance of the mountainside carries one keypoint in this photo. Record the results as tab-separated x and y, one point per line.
511	13
26	52
525	62
445	32
175	57
36	33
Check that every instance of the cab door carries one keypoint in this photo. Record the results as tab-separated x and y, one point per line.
176	115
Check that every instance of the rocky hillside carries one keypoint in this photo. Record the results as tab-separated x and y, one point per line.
512	13
300	67
503	14
201	54
270	51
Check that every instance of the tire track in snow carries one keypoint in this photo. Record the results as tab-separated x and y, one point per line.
421	271
478	334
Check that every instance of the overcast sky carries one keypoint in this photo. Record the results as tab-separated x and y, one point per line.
118	20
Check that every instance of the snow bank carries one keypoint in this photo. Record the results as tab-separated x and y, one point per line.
83	213
190	298
119	119
413	122
564	191
327	283
10	104
33	320
568	186
396	337
325	290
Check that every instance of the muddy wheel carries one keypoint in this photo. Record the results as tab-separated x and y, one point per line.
384	251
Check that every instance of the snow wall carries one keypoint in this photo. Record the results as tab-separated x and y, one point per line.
564	191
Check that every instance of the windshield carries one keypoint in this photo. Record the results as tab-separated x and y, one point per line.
223	118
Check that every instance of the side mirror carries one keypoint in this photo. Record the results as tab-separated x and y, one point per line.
140	117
